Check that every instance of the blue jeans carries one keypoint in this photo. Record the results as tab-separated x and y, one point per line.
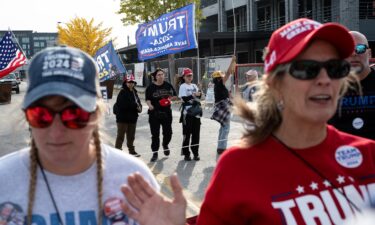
223	136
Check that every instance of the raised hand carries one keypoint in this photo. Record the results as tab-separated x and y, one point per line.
149	206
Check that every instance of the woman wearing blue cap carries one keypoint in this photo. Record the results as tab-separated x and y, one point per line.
291	166
66	176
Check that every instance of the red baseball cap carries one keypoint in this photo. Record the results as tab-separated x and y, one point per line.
290	40
187	71
130	78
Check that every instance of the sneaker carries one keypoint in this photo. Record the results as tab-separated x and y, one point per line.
166	150
196	158
134	153
154	157
220	151
187	158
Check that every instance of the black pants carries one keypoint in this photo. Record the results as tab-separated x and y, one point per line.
191	128
155	120
129	130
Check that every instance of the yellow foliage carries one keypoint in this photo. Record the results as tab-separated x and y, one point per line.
84	35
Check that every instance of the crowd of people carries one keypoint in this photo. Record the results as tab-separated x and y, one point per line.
290	167
159	96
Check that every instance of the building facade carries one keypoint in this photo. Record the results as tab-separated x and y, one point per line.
254	21
32	42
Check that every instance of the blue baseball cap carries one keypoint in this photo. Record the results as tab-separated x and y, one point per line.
63	71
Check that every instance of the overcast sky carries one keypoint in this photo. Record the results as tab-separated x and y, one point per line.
43	15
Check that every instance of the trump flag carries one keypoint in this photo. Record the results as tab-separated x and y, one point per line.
170	33
108	62
11	56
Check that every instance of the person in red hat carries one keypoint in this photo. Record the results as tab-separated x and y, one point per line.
291	167
158	98
128	106
191	113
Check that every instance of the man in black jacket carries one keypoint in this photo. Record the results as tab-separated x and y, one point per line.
128	106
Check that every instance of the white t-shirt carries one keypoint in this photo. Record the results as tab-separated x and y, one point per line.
185	91
75	196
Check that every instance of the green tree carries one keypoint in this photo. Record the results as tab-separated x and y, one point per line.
83	34
142	11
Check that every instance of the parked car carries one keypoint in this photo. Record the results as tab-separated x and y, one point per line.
15	83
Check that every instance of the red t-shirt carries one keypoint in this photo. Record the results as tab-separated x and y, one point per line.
267	184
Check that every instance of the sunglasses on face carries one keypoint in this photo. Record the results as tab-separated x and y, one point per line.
360	49
72	117
310	69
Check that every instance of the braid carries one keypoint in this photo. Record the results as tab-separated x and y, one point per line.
99	174
32	181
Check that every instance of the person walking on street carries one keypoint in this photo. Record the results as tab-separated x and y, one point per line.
293	168
356	112
222	112
248	89
128	106
66	176
159	95
191	122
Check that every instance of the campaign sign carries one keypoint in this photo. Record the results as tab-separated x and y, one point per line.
108	62
170	33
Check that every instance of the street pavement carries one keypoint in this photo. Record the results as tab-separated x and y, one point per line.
194	175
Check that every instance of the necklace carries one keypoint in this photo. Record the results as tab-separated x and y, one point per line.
50	192
316	171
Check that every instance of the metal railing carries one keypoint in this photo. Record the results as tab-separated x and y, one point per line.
270	24
323	15
240	28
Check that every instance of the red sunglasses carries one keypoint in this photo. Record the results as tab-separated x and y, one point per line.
72	117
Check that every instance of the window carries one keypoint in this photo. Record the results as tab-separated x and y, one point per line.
25	40
327	9
366	9
240	16
264	17
305	8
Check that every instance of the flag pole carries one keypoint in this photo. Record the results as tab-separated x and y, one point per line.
197	37
235	30
18	44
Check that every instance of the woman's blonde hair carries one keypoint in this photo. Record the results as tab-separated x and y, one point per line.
99	163
263	115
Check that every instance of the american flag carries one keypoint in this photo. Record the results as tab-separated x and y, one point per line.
11	56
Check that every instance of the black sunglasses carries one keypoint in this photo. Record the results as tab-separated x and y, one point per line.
360	49
309	69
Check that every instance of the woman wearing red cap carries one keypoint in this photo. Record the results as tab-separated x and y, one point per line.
191	122
158	98
128	108
67	175
291	168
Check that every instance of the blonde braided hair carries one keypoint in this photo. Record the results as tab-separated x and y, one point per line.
33	177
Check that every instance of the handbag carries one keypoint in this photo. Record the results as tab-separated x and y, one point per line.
115	109
195	110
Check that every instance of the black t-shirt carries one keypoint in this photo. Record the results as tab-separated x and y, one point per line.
155	93
220	91
358	112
